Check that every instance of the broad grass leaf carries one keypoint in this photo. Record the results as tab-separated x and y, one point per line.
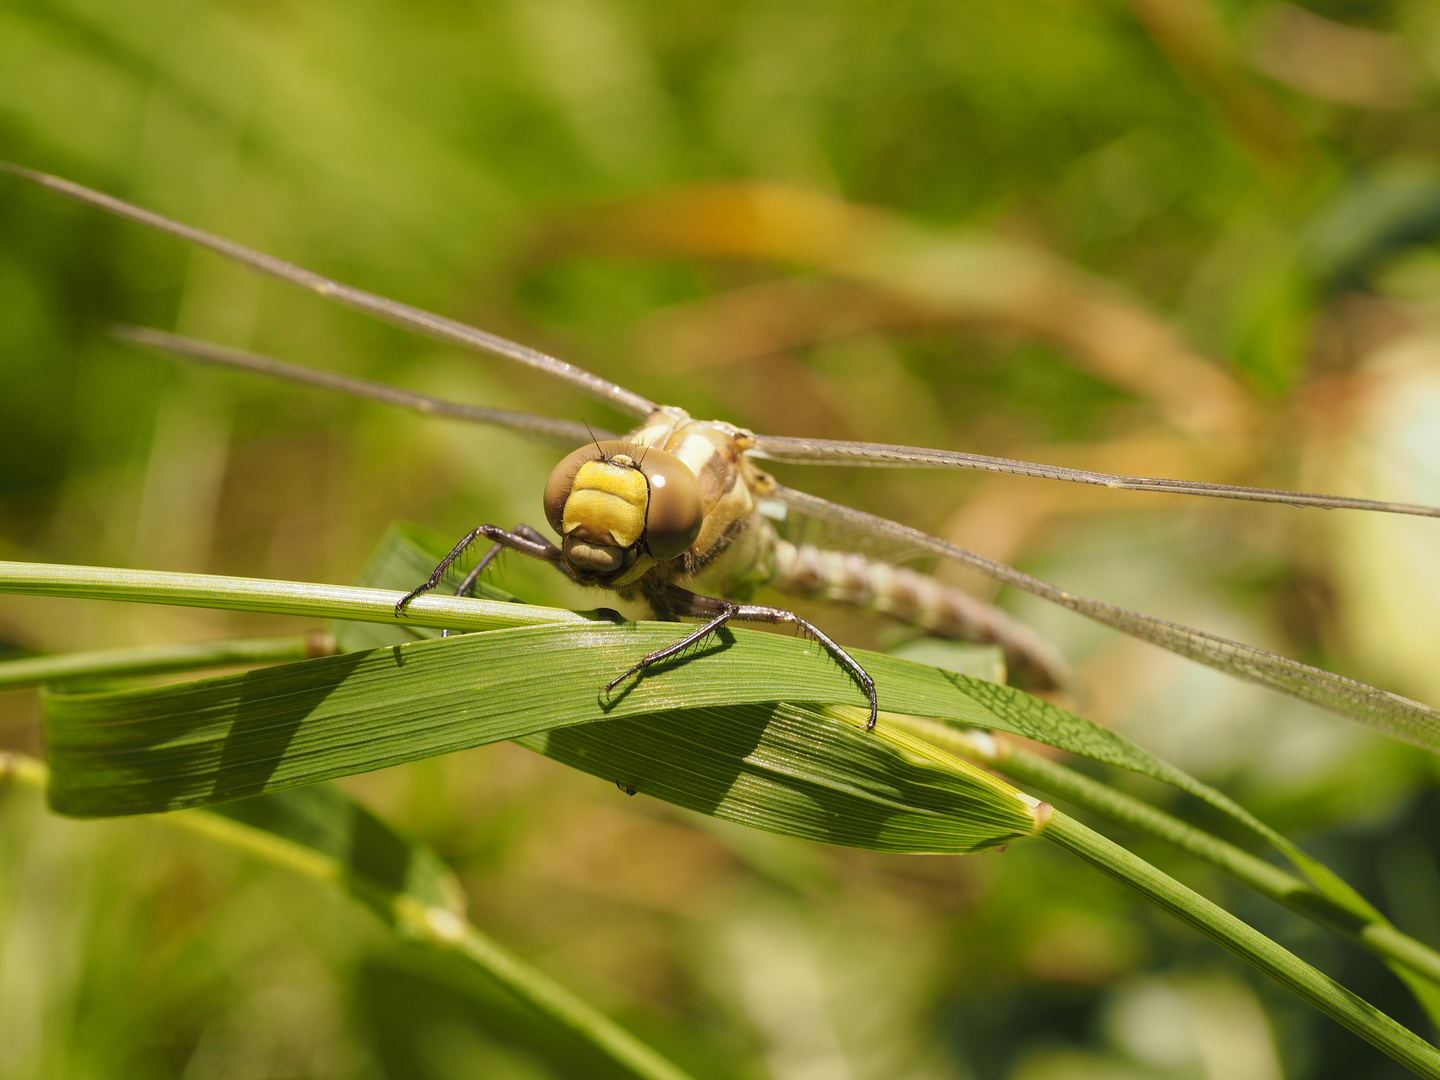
407	553
213	740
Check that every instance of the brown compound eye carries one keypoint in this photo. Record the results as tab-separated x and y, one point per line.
562	477
675	514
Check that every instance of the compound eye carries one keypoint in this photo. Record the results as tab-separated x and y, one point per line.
675	514
562	477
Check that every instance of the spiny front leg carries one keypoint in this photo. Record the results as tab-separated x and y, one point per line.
679	602
523	539
553	554
760	613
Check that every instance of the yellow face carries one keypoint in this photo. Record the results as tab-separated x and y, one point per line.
621	508
605	514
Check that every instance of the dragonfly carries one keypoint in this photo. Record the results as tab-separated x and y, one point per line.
726	545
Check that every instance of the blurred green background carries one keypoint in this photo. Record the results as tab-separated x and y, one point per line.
1161	237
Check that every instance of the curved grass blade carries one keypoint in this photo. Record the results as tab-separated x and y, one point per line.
1396	716
212	740
163	659
1350	1010
322	833
392	311
939	803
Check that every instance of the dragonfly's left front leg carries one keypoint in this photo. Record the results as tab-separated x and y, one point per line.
683	603
523	539
553	554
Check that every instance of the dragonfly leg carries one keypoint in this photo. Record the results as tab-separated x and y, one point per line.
678	602
726	614
759	613
468	585
534	545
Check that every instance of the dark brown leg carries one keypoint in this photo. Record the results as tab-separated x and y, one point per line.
522	530
679	602
527	542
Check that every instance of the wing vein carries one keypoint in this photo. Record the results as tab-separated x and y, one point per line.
1400	717
830	452
207	352
392	311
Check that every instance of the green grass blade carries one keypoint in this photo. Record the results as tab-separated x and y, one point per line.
137	751
962	700
163	659
275	597
251	732
1249	944
322	833
1412	961
695	731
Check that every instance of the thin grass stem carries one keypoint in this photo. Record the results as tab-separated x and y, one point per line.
164	659
1323	992
275	597
416	920
1294	892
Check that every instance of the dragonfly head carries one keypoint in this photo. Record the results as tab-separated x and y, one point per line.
613	501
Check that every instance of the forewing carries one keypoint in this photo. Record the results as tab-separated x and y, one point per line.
207	352
392	311
802	528
882	455
1397	716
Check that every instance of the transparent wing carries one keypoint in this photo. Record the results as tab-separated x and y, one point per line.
830	534
881	455
1391	713
1397	716
771	447
411	318
207	352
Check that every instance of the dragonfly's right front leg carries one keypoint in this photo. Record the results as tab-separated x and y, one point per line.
673	601
522	538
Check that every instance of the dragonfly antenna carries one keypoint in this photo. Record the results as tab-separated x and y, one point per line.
596	441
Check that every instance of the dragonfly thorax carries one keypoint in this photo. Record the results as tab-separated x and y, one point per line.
620	508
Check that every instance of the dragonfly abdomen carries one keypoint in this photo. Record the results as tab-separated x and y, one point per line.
918	599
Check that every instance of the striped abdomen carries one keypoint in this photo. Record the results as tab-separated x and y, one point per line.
919	600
